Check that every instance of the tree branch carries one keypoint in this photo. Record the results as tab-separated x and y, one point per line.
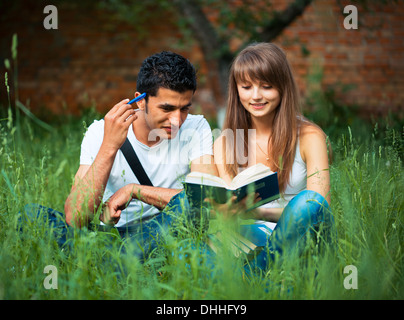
283	19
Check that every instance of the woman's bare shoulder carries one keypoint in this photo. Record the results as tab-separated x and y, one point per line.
309	129
312	140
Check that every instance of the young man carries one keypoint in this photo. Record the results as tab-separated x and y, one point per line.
167	140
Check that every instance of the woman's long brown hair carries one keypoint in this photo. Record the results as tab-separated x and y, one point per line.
265	63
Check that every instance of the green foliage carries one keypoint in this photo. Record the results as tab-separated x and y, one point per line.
139	13
232	20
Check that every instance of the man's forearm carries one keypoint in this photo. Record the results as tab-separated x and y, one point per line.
87	192
155	196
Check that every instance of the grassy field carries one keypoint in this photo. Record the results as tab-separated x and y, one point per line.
367	202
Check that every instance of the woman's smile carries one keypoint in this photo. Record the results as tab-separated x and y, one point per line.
258	106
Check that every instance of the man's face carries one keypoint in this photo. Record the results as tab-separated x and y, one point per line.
166	112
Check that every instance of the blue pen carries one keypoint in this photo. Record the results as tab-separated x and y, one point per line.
137	98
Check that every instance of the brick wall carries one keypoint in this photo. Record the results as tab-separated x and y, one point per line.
90	59
365	67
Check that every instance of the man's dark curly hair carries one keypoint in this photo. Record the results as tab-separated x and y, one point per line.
166	70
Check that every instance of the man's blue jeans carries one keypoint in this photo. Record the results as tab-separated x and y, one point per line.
305	214
143	236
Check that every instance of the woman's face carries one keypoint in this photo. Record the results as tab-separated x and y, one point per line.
259	99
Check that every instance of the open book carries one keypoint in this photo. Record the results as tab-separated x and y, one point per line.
255	179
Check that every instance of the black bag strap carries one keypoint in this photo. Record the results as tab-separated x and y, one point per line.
134	163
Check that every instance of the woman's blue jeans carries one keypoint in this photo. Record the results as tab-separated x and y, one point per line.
307	214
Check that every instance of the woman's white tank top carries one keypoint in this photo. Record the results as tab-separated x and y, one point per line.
297	182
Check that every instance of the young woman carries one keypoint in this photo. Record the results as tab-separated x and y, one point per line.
264	103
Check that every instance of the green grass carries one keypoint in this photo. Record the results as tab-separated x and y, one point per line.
37	166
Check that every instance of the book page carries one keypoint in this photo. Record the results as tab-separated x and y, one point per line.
249	175
205	179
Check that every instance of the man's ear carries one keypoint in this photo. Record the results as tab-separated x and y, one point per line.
141	104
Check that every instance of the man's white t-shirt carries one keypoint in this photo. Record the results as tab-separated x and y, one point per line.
166	163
